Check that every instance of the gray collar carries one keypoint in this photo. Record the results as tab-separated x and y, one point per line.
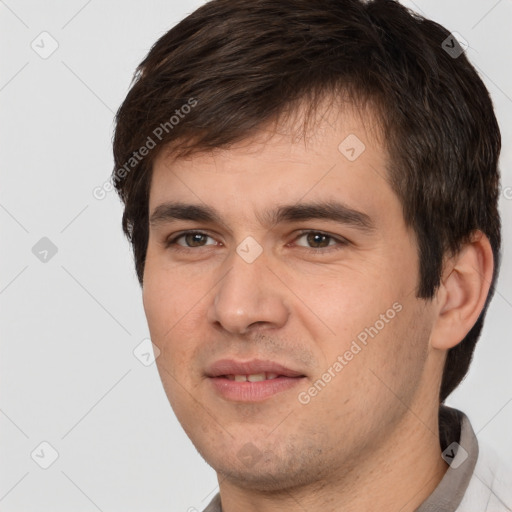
461	453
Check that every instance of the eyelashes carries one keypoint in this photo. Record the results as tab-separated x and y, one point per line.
323	236
311	236
173	241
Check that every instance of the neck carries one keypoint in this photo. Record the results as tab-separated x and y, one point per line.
399	474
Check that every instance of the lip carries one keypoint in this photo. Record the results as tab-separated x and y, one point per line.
232	367
251	391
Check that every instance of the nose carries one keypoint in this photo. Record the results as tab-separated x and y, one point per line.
248	297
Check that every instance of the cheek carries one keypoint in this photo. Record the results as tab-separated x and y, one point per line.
162	309
375	381
164	295
371	323
174	310
341	304
398	354
159	307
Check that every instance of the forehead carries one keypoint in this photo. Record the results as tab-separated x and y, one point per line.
337	131
335	145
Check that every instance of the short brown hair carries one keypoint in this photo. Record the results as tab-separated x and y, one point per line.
247	62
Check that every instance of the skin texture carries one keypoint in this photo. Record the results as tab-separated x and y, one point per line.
371	434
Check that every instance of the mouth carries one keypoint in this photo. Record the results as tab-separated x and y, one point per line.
251	381
254	377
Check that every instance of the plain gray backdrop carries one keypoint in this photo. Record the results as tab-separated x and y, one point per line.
74	397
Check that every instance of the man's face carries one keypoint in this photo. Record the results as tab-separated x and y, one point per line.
331	300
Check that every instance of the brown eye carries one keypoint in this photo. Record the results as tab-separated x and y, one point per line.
195	239
316	240
319	243
191	239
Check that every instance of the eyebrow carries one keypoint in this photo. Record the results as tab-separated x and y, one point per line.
326	210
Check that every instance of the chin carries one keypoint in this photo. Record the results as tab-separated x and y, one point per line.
262	471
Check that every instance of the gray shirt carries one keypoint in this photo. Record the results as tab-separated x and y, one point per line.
447	496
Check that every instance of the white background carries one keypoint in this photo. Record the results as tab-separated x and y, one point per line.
68	375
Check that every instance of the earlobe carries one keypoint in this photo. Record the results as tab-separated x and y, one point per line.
463	291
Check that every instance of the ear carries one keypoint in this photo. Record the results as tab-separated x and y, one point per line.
463	291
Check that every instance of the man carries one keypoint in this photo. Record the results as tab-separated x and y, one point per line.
310	189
